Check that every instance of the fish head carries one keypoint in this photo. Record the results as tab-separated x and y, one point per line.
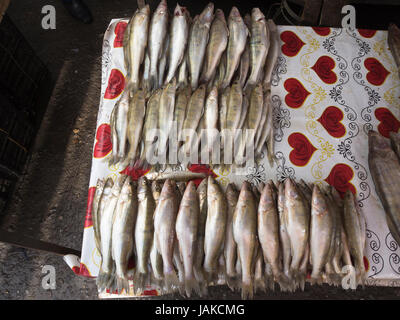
179	11
234	15
394	29
247	20
212	187
378	144
319	202
257	15
162	8
190	192
245	191
219	14
272	26
291	191
145	10
143	188
168	190
267	197
208	14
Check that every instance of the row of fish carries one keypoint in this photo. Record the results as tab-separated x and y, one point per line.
217	77
384	165
197	121
206	49
183	238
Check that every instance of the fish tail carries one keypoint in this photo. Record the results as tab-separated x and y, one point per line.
199	275
102	280
247	290
171	281
191	284
232	282
139	282
153	81
260	284
121	282
283	281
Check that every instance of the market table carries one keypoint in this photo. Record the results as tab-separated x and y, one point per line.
330	87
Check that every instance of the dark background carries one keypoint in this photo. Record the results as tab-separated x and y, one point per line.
49	202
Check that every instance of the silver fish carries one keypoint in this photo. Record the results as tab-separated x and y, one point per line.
273	54
137	109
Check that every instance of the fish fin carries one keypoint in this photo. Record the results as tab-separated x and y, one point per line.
171	281
121	282
139	282
247	290
199	275
191	284
283	281
260	284
102	280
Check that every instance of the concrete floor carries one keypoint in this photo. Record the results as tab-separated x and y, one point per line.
50	199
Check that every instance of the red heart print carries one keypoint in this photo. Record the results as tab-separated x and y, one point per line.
103	144
119	34
377	73
88	217
388	122
340	177
297	94
323	68
322	31
331	120
292	43
201	168
116	84
135	173
366	33
302	149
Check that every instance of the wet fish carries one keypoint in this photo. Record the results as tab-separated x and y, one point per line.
216	45
157	34
182	101
211	117
194	112
164	226
119	127
395	142
273	54
234	108
198	39
230	248
107	267
138	34
394	42
223	108
162	64
269	233
245	235
220	72
260	278
238	33
267	134
297	226
96	214
137	110
178	39
385	171
150	123
122	233
186	231
215	227
244	66
355	228
166	115
144	231
183	73
259	45
199	253
321	233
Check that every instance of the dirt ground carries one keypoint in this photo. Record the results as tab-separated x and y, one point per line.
50	199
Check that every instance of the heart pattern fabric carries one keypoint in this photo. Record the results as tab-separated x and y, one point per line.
329	88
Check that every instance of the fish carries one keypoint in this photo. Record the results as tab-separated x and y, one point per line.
176	175
183	74
283	233
122	233
394	43
194	112
215	228
245	236
297	218
199	252
260	278
211	117
157	34
119	127
245	110
166	115
321	233
186	231
218	41
230	248
220	72
144	231
138	34
150	123
355	228
179	33
223	108
107	267
136	114
269	233
181	187
385	172
197	45
238	34
96	214
273	53
165	235
395	142
162	64
244	65
267	134
234	108
182	101
259	46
